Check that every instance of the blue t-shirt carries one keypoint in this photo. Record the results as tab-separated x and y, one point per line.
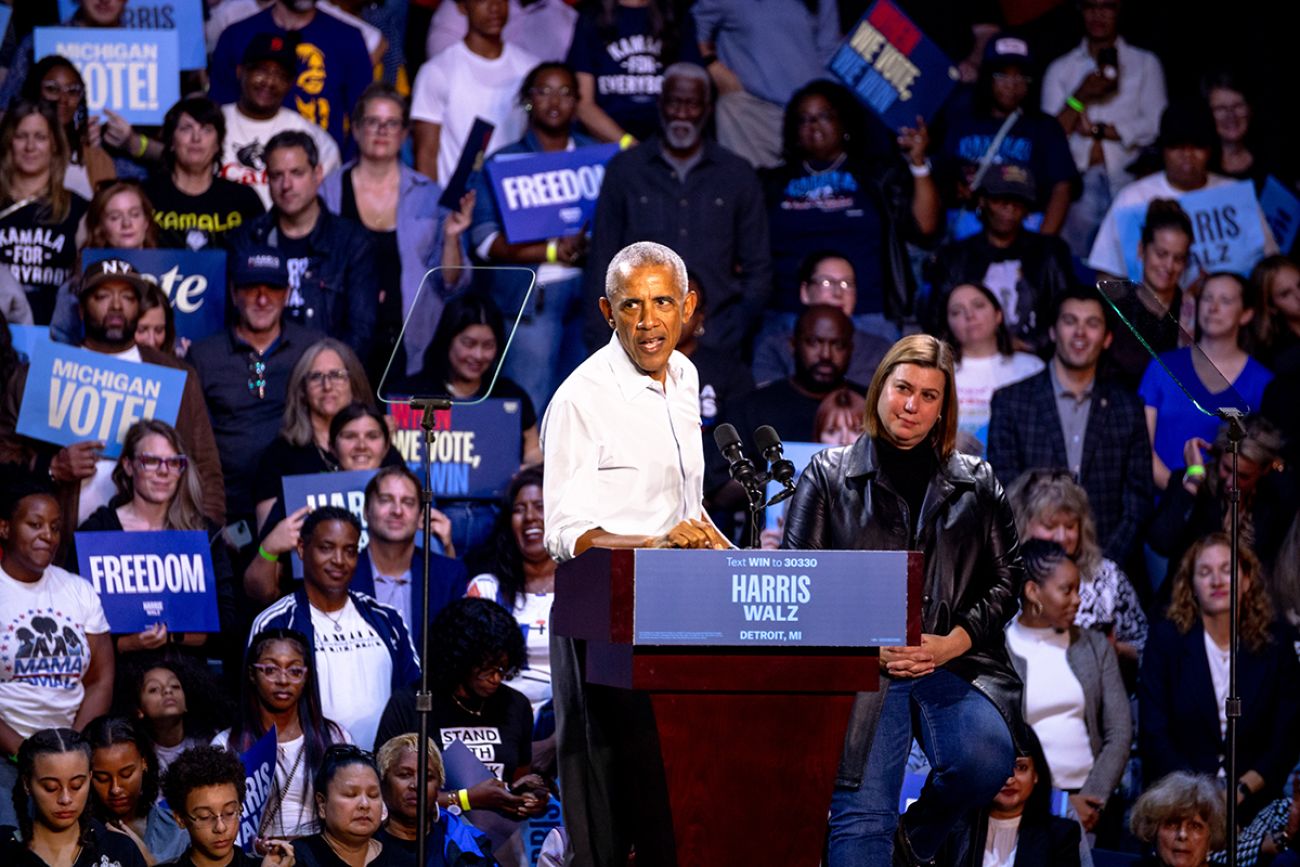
333	69
1036	142
1177	420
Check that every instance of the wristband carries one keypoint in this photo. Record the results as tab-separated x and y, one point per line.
266	555
1195	471
143	143
626	141
1075	103
552	251
921	171
462	797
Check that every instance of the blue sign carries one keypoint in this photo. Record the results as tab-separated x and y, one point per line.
1281	208
470	163
259	781
771	598
27	337
1227	224
476	447
547	195
894	68
74	395
347	490
136	73
183	16
193	280
5	13
143	578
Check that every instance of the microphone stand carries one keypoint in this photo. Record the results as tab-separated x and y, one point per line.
1232	704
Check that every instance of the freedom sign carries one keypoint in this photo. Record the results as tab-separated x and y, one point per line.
476	447
136	73
183	16
894	68
347	490
146	577
74	395
548	195
259	780
193	280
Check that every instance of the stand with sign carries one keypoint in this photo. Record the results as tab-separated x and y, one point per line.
743	654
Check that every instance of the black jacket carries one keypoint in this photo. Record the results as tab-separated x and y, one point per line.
1048	842
973	572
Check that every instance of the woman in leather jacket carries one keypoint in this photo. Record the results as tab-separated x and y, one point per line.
903	486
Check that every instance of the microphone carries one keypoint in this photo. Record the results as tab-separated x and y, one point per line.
740	467
768	442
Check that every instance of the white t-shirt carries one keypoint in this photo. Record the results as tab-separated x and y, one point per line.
1001	842
354	671
1053	702
44	649
978	378
533	613
241	157
456	86
167	755
1218	659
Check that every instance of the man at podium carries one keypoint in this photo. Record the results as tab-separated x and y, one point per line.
624	469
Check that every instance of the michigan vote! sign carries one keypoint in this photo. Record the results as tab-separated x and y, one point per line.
136	73
144	578
75	395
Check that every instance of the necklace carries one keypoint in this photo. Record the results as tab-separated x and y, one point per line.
469	710
338	627
835	164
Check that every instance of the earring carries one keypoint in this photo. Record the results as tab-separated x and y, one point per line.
611	323
1038	608
528	106
699	331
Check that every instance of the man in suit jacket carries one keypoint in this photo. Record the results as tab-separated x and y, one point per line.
1066	417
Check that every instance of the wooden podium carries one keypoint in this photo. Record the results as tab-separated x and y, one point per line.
751	722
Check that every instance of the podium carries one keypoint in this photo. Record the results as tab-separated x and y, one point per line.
751	660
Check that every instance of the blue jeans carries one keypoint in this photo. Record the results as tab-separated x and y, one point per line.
971	755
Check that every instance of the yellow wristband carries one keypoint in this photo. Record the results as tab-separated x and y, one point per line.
552	251
462	797
626	141
144	145
266	555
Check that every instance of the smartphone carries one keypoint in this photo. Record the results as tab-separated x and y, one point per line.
238	534
1108	62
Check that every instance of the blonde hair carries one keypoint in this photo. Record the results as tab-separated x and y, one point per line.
923	351
1181	796
296	425
1041	493
183	512
388	755
1255	610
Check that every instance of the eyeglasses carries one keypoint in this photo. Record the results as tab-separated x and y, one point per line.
1013	77
564	93
828	284
492	672
271	671
318	378
381	124
209	820
256	376
54	90
152	463
1230	109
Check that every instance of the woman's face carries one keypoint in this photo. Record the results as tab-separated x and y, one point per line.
32	536
486	679
972	317
380	133
401	789
1231	114
62	89
33	146
554	98
117	773
472	353
821	136
910	403
1016	790
1183	842
1284	293
1212	580
1061	527
351	805
843	427
161	695
151	328
1165	259
103	13
360	444
526	522
194	144
159	484
1220	312
1010	86
1058	595
60	786
124	221
329	386
279	675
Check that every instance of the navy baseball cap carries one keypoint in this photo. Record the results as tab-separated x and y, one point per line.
109	270
1009	182
260	268
1002	51
279	48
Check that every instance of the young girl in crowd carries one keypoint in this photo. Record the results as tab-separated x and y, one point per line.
124	776
175	701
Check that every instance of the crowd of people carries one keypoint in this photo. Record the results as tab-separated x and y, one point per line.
315	149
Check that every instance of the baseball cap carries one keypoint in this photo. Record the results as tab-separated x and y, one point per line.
1009	182
278	48
1188	122
107	270
260	268
1007	51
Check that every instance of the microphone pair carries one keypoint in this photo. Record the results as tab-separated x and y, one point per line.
776	467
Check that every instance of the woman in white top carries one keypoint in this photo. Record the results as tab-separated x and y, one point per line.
280	690
981	343
1020	830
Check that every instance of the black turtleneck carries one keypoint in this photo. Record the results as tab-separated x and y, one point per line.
908	472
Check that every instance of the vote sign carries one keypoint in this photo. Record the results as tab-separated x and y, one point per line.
347	490
74	395
194	281
136	73
476	447
182	16
144	578
259	781
548	195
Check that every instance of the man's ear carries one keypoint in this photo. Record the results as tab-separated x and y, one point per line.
606	310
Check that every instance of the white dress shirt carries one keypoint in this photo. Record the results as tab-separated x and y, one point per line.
623	452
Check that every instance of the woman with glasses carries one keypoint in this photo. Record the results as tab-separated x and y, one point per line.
410	231
1242	152
349	807
124	780
279	689
55	81
205	788
157	488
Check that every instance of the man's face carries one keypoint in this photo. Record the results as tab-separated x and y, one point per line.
329	557
299	6
1101	19
485	17
292	179
110	312
212	818
822	346
1080	333
683	109
263	86
1187	166
260	306
391	515
648	314
1003	216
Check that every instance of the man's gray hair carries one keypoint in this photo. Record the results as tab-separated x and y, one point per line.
639	255
692	71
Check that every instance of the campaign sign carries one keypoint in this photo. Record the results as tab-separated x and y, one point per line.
74	395
183	16
347	490
770	598
193	280
1226	221
136	73
259	781
26	337
1281	208
471	162
146	577
476	447
547	195
893	67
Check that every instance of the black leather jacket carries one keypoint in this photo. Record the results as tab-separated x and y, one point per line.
973	572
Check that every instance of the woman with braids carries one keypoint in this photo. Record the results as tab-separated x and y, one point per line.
279	689
124	779
50	798
1184	679
1074	697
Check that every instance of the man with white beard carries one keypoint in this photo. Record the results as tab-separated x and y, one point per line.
693	196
